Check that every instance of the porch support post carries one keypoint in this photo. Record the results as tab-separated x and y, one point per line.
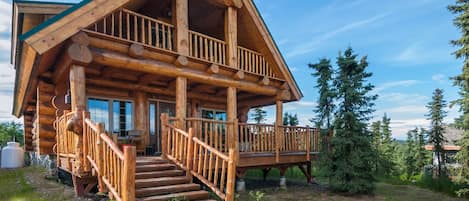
78	96
141	118
231	114
279	133
181	101
181	22
231	36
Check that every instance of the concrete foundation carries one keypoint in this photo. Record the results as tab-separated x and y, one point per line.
46	161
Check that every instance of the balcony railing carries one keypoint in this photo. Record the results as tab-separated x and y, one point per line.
253	62
133	27
207	48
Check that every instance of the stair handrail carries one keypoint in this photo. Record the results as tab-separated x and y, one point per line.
212	167
115	168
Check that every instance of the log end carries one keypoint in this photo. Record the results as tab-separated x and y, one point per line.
136	50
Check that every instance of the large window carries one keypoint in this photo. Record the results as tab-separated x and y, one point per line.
214	114
118	113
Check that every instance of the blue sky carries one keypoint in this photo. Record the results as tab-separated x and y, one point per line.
407	44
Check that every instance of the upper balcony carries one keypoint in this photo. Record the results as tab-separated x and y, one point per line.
132	27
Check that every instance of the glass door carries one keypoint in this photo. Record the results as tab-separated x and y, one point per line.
156	109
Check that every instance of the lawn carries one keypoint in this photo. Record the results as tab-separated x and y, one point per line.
29	184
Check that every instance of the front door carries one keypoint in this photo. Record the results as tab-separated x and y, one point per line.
156	109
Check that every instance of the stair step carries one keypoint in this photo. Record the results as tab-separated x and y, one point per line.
155	167
163	181
148	161
157	174
191	195
161	190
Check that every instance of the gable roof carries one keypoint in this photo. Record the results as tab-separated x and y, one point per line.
59	28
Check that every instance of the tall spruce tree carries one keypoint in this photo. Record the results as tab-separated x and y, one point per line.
461	9
376	131
421	158
351	164
409	155
286	119
323	71
293	120
436	116
259	115
386	148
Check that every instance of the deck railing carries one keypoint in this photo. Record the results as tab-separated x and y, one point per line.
212	132
254	62
207	48
66	140
257	138
214	168
115	167
137	28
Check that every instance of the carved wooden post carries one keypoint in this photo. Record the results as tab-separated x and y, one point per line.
230	183
278	129
181	101
86	143
231	114
164	135
78	95
128	180
100	158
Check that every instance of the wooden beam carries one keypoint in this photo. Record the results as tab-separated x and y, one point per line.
28	60
181	22
117	60
265	81
181	101
239	75
213	69
236	3
141	120
136	50
181	61
75	54
231	36
78	88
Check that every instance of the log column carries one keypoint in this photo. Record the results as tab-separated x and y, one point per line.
231	114
141	118
231	36
78	96
279	133
181	101
181	22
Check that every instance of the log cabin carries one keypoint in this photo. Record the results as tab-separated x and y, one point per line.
149	100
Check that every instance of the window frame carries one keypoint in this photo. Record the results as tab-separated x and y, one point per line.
110	101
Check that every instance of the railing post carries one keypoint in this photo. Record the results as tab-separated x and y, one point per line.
231	177
277	143
236	140
164	135
100	158
190	154
86	163
308	143
128	182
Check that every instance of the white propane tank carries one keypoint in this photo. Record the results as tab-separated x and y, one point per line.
12	156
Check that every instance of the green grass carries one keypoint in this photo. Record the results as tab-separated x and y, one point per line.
13	186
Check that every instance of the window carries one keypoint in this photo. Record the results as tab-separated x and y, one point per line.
117	115
214	114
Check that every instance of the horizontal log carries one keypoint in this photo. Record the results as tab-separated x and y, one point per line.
234	3
136	50
181	61
107	92
46	144
213	69
157	67
239	75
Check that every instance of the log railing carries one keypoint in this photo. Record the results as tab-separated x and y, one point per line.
66	140
207	48
136	28
254	62
211	132
257	138
214	168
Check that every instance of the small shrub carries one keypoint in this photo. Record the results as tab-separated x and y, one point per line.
256	196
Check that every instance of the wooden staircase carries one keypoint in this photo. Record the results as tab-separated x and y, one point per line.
157	179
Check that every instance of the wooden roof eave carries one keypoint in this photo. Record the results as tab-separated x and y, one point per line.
24	75
260	24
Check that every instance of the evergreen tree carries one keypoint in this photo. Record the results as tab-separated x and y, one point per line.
376	131
421	154
259	115
436	134
410	156
386	148
351	162
293	120
461	8
286	119
323	71
9	132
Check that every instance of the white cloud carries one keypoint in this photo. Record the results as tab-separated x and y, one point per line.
5	16
300	105
441	78
7	79
403	98
308	47
393	84
420	53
